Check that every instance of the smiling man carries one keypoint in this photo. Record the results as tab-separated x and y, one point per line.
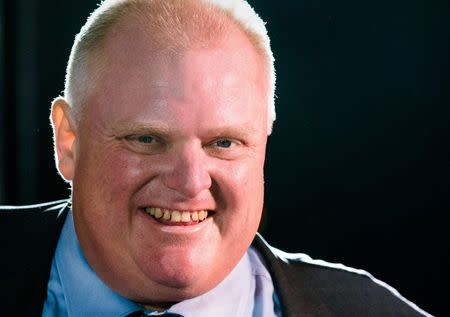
162	134
171	133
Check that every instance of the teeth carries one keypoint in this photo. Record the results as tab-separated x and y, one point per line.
202	214
166	214
177	216
158	213
186	216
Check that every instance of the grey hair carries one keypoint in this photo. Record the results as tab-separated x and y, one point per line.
87	45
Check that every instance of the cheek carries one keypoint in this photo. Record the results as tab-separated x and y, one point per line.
245	181
106	183
113	172
242	194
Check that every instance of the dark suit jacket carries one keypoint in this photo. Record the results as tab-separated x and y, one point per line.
305	287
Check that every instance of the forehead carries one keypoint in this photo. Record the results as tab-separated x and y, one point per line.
137	80
133	40
131	66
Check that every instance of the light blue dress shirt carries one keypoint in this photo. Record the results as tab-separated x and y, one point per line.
75	290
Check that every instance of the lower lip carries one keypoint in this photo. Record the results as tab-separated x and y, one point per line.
181	228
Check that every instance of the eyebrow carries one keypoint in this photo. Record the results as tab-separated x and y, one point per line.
127	127
241	130
161	129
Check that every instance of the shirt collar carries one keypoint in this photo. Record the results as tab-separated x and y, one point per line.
87	295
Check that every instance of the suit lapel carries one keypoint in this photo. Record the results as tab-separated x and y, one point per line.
297	297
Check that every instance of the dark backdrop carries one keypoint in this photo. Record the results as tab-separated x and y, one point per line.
358	165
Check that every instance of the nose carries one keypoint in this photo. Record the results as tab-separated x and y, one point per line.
188	171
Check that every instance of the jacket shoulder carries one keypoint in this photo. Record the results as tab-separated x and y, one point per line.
47	206
332	289
29	235
20	223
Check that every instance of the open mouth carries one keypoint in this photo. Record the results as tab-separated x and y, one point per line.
177	217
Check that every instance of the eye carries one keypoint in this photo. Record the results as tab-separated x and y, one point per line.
146	139
144	143
224	143
226	148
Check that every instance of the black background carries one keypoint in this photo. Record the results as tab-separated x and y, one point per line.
358	166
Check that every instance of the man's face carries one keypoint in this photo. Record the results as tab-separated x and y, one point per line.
177	132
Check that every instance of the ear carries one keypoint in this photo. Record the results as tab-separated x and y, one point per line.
64	136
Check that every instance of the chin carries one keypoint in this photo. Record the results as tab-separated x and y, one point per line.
175	290
184	277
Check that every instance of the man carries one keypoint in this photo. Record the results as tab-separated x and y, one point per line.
162	133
